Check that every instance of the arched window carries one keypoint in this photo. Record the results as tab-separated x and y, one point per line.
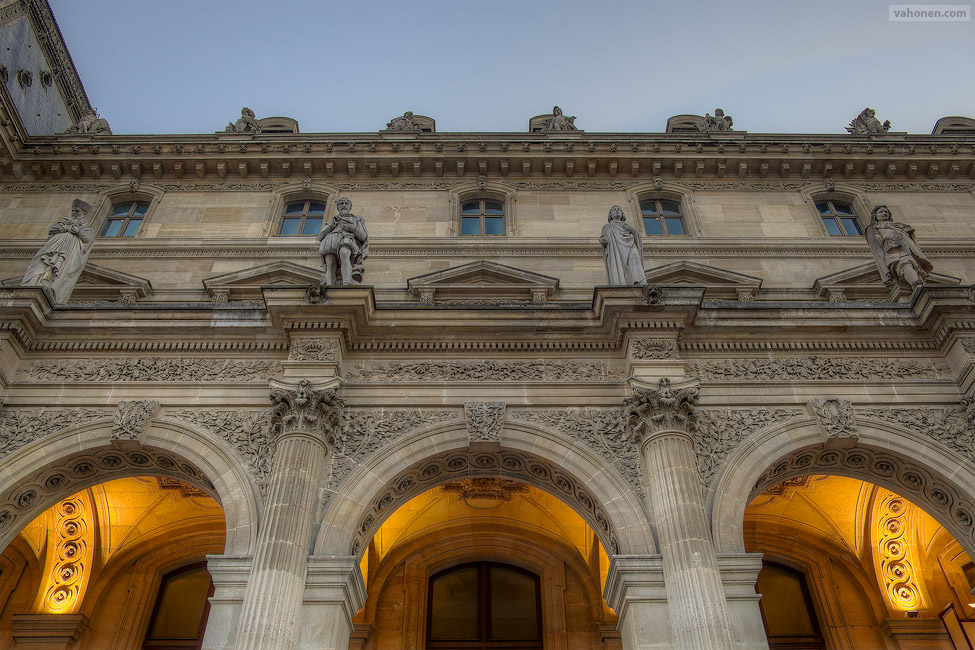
482	216
790	621
839	218
125	218
662	217
180	614
483	606
302	218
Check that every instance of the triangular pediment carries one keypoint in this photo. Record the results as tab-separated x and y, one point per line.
101	283
863	283
483	279
246	284
718	283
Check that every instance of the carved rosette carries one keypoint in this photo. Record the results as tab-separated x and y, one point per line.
304	410
900	580
665	408
132	418
71	558
484	420
836	417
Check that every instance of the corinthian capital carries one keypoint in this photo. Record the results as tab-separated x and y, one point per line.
662	409
301	408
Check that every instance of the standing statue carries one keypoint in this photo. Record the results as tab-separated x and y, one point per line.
899	258
406	122
345	244
866	122
622	250
58	263
90	122
246	124
559	122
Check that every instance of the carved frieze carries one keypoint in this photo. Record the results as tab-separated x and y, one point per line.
484	420
836	417
602	430
20	427
653	349
439	371
720	431
151	369
132	418
313	350
248	431
818	368
663	408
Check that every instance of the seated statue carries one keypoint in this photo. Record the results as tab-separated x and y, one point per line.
90	122
717	122
246	124
899	258
866	122
344	245
59	262
406	122
559	122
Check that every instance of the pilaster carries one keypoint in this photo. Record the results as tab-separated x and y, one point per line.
229	574
636	591
334	592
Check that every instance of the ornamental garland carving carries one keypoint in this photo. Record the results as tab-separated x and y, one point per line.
720	431
836	417
152	369
132	418
969	343
818	368
19	427
952	426
367	431
438	371
653	349
484	420
313	350
602	430
249	432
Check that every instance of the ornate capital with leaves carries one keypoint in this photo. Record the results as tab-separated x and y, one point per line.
664	408
303	409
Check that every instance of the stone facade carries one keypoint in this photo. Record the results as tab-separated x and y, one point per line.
205	349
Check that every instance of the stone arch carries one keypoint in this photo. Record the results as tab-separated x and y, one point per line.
39	474
545	459
912	465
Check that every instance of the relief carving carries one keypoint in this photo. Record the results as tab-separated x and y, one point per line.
653	349
952	427
602	430
438	371
249	432
484	420
662	409
151	369
720	431
73	555
836	417
303	409
132	418
313	350
817	368
895	550
23	426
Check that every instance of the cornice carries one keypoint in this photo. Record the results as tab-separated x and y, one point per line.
56	52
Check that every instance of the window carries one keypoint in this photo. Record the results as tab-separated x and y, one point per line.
482	217
302	218
125	219
484	605
181	610
790	621
839	218
662	217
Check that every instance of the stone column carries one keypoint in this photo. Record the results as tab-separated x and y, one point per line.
304	420
661	421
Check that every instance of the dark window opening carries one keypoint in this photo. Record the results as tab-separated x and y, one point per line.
662	217
302	219
180	613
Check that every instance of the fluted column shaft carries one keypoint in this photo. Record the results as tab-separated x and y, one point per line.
271	612
698	610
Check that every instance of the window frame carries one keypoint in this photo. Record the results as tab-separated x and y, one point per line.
302	217
813	642
661	217
837	217
482	214
483	613
126	219
177	644
107	201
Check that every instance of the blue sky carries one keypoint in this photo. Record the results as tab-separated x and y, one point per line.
187	66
